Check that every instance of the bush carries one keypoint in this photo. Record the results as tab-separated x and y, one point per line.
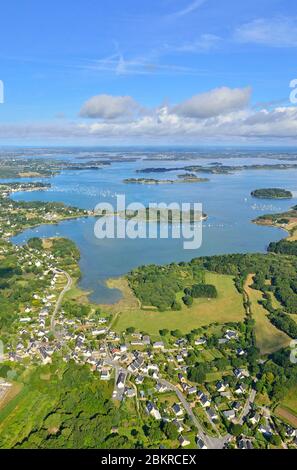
236	429
170	430
204	290
198	373
164	332
176	305
188	300
130	330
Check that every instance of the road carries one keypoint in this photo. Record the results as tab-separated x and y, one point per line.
60	298
247	406
210	442
62	293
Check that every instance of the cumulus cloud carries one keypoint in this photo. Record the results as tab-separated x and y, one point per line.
163	126
275	32
218	115
109	107
214	102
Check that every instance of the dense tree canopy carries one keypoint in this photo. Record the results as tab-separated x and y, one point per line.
272	193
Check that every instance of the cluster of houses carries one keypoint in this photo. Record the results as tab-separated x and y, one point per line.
177	418
94	343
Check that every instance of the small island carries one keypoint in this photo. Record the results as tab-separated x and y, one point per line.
152	214
183	178
146	181
272	193
190	178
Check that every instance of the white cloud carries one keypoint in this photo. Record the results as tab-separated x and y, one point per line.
189	8
204	43
164	126
119	65
214	102
221	119
275	32
109	107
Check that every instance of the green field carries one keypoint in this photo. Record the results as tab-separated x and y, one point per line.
214	376
268	337
227	307
45	412
275	303
288	407
25	411
290	400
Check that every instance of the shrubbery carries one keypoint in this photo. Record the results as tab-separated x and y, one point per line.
204	290
158	285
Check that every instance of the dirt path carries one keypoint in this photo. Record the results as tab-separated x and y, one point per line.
268	337
61	296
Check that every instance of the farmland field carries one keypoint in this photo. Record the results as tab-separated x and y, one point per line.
288	407
268	337
227	307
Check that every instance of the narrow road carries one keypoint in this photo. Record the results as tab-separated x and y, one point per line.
248	282
247	406
62	293
210	442
114	319
60	298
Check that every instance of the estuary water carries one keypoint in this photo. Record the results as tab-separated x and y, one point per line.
225	199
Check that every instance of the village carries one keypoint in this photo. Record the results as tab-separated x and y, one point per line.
196	386
152	373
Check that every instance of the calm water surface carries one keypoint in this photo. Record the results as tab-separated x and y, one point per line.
225	198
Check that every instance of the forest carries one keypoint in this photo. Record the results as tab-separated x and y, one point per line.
283	247
274	272
74	411
158	285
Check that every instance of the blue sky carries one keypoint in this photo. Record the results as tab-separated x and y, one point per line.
141	71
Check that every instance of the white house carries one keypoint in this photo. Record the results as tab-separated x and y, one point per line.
121	380
153	410
177	410
229	414
200	443
183	441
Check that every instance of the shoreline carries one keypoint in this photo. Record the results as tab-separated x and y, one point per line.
25	187
289	236
112	282
286	221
